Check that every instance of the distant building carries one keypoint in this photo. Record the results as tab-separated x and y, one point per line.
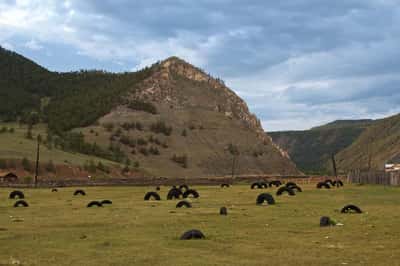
393	164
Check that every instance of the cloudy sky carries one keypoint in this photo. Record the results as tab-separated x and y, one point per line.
298	63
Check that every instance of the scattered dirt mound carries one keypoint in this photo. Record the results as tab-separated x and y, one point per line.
265	197
351	209
17	194
192	192
193	234
223	211
150	195
79	192
183	203
94	203
22	203
285	189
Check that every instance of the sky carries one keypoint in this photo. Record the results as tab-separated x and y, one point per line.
297	63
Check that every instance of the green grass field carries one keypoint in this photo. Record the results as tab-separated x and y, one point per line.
58	229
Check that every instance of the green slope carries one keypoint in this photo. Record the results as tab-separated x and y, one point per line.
311	150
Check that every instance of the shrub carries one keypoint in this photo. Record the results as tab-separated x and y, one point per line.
140	105
161	127
182	160
141	141
3	164
184	133
154	151
136	164
26	164
50	167
139	126
144	151
3	130
103	167
108	126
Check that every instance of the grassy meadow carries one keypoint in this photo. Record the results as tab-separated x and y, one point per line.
58	229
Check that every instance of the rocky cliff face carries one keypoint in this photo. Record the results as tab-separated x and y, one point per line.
165	86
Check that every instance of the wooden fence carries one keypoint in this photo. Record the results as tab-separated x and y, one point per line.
375	177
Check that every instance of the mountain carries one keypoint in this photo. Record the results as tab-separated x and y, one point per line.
374	147
312	149
171	119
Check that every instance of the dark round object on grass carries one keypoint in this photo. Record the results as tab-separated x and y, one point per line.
337	183
225	185
158	188
275	183
103	202
296	188
20	203
152	195
94	203
223	211
323	185
290	184
192	192
264	184
17	194
265	197
351	209
256	185
79	192
282	190
183	203
174	193
184	186
192	234
325	221
54	190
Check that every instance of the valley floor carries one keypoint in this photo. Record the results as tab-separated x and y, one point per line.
58	229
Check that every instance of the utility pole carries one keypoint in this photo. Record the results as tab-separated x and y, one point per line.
334	168
39	138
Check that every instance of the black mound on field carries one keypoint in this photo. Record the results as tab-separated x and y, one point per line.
323	185
337	183
192	234
282	190
296	188
225	185
79	192
22	203
184	186
192	192
223	211
326	221
104	202
54	190
275	183
265	197
174	193
290	184
351	209
152	195
183	203
256	185
94	203
16	194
